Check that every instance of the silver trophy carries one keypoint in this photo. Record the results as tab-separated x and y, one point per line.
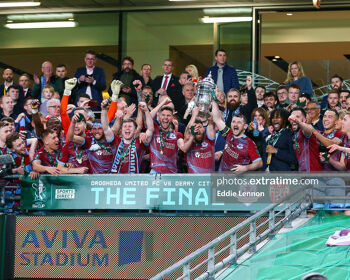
204	94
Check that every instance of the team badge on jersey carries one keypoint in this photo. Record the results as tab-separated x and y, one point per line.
204	144
172	136
240	147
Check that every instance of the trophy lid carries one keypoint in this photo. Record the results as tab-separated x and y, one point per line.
208	80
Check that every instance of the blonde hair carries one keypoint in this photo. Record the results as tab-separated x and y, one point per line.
194	70
50	88
301	73
224	95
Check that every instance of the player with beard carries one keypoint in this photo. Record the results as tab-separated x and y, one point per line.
75	155
234	105
200	157
22	159
305	143
278	152
240	153
5	130
165	142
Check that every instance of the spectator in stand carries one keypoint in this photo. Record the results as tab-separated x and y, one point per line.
278	152
224	75
293	96
348	103
336	84
146	72
24	82
234	103
332	101
282	96
168	84
91	79
297	76
47	78
61	71
270	101
343	94
313	115
127	76
193	71
14	91
8	77
48	92
184	78
258	128
244	97
259	93
6	105
53	108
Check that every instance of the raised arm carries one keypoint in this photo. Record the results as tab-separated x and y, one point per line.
68	86
149	121
324	140
33	142
39	127
155	110
217	116
70	133
186	145
105	122
115	87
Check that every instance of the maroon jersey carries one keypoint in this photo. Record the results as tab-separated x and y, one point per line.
46	159
307	152
201	157
75	154
165	160
101	155
133	156
335	134
238	151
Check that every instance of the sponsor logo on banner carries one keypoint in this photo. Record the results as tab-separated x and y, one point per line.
65	194
39	194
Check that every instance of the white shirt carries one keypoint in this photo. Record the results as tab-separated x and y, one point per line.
163	80
88	89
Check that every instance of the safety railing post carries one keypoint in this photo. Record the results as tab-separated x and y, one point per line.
252	237
211	262
233	247
288	213
271	223
186	271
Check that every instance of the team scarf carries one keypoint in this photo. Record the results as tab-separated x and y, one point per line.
273	138
121	154
43	83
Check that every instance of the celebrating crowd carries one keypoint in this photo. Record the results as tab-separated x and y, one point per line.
154	126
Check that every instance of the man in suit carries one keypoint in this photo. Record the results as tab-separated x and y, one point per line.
224	75
47	78
168	84
24	81
7	75
91	79
127	76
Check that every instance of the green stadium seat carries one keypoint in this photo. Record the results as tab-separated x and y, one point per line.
298	258
279	272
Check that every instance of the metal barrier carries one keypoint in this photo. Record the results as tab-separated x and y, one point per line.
290	211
